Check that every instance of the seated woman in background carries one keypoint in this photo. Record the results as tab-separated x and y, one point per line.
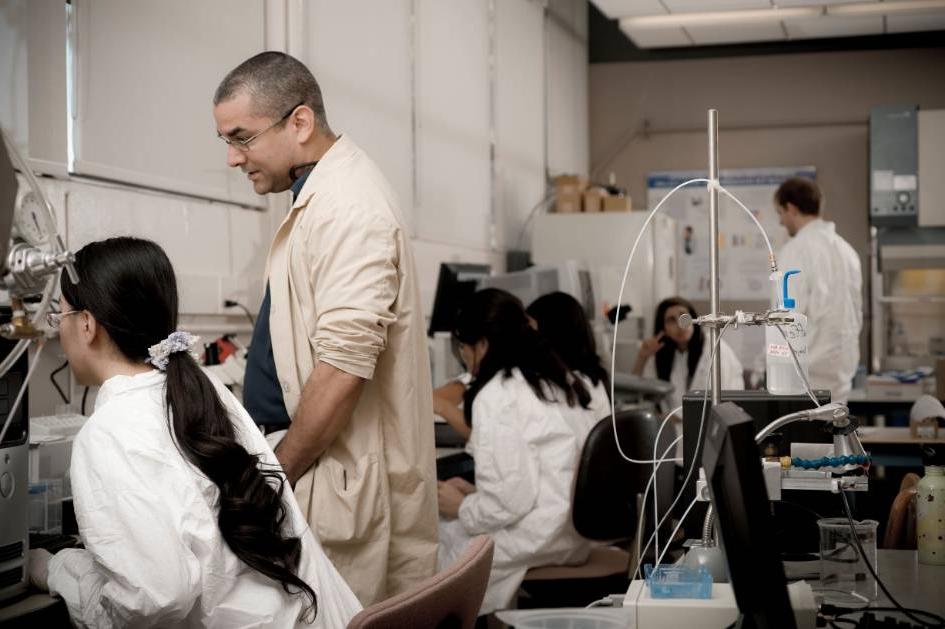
182	507
522	405
562	322
448	400
681	357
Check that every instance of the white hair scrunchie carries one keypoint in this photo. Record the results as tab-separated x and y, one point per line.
178	341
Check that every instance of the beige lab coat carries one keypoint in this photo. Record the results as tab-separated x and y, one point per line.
344	291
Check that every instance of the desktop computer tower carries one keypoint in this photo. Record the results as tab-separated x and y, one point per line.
14	481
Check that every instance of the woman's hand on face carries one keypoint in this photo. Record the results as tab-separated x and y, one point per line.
652	345
449	499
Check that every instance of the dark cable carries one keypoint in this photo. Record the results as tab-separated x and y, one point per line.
940	622
891	610
85	395
52	378
229	303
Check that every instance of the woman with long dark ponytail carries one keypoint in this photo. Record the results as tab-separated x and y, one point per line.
184	512
528	414
563	323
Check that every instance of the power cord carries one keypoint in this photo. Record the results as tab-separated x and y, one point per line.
52	378
229	303
613	600
938	620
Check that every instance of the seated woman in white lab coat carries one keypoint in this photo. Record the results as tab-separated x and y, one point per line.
524	406
184	512
681	357
561	320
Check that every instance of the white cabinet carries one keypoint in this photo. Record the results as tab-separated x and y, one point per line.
602	241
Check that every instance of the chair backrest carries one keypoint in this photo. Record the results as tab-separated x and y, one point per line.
901	526
449	599
607	486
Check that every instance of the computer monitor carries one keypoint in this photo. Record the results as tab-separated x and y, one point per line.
528	285
456	283
732	465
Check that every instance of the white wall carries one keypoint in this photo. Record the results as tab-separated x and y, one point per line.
465	106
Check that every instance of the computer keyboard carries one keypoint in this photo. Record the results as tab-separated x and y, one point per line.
57	425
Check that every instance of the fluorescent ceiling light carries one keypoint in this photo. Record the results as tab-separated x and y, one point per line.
716	18
889	7
775	14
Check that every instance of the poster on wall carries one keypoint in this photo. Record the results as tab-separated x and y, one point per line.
743	257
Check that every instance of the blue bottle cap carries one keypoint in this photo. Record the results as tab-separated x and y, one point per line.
786	300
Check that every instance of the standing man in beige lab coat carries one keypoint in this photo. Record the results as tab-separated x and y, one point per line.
339	346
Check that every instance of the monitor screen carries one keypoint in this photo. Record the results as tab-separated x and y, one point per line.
732	465
456	282
799	530
10	385
8	189
530	284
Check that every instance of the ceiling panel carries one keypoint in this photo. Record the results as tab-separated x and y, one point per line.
716	34
668	37
808	3
700	6
834	26
909	23
800	28
615	9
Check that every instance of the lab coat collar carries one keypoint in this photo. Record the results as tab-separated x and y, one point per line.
333	159
119	385
817	225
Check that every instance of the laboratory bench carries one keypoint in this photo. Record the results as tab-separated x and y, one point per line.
914	585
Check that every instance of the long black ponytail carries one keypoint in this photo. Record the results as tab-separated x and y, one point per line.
563	322
128	285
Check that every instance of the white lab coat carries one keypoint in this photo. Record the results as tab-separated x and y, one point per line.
600	403
526	453
154	555
731	376
829	291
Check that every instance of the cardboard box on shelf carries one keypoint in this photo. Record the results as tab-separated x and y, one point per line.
567	202
570	183
569	193
617	204
594	199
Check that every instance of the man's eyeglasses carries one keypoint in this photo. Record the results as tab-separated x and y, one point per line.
54	319
243	145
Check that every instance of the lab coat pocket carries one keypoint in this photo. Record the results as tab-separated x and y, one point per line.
347	503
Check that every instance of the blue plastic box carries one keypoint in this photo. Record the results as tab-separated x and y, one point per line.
677	581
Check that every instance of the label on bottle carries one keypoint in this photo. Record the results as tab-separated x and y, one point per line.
779	350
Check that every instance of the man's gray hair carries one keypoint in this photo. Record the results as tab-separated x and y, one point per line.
275	82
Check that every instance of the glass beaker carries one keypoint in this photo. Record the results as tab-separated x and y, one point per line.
844	578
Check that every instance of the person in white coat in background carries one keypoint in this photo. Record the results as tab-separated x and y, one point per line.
185	514
829	288
525	407
681	357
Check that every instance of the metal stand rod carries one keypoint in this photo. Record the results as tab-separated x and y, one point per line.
714	250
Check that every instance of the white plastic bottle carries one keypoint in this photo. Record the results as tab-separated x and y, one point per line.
781	371
930	508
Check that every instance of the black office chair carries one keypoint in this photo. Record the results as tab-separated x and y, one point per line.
605	508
